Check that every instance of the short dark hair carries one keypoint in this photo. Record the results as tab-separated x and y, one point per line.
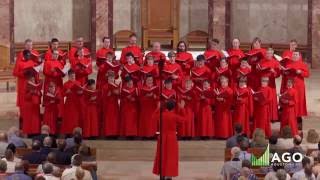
273	139
27	41
91	82
132	35
297	141
12	147
169	80
201	57
238	128
129	54
244	145
54	40
105	37
170	105
36	145
76	160
71	72
216	40
127	78
77	138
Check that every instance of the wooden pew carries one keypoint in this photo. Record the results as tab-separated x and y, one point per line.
42	47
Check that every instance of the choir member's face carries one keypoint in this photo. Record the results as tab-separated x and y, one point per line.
109	57
133	40
92	86
289	84
243	64
130	60
242	84
269	55
149	81
206	85
28	46
79	43
55	45
150	62
182	47
156	47
106	43
110	79
295	56
223	63
130	84
168	85
72	77
293	46
52	88
32	79
256	45
264	83
188	84
172	59
224	82
235	44
200	63
55	55
214	45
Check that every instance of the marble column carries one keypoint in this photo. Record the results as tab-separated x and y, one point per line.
102	7
4	33
315	33
219	21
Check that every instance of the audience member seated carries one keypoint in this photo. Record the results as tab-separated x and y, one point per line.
273	140
3	169
306	172
297	140
45	131
285	140
245	171
77	141
272	175
12	147
47	143
244	155
84	151
71	141
281	174
14	137
19	173
232	141
316	167
62	157
258	139
233	166
3	143
70	173
35	157
48	171
312	140
9	159
51	158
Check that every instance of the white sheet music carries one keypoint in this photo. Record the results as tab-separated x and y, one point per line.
225	53
38	68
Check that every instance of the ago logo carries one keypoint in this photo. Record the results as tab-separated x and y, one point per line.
276	159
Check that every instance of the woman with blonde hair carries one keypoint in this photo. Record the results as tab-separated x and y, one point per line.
258	138
312	140
286	139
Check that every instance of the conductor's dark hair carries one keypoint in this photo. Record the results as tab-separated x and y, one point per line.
91	82
216	40
54	40
105	37
201	57
170	105
70	72
132	35
129	54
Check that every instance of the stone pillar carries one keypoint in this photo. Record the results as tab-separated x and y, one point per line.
315	33
102	7
219	21
5	33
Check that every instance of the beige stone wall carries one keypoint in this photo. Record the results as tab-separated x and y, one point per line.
81	19
316	34
219	21
275	21
4	23
121	15
101	21
193	16
41	20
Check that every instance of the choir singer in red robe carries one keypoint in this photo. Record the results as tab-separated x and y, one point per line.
184	58
156	53
51	100
213	54
82	66
54	46
169	146
134	49
234	59
172	70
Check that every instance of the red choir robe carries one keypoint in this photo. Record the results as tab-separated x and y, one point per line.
259	54
204	125
261	113
264	69
30	109
222	114
187	128
91	116
35	56
243	108
157	56
51	109
290	73
149	99
168	94
242	72
213	58
153	70
19	69
235	56
226	71
200	74
82	68
169	70
62	56
53	71
135	50
133	70
111	109
104	66
185	60
129	111
289	115
71	114
73	54
170	148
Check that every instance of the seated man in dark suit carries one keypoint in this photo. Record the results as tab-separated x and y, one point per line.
70	142
47	143
45	131
35	157
77	143
62	157
238	134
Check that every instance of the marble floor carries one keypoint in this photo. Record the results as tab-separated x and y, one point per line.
133	160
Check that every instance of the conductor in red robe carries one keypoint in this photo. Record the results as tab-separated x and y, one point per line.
288	100
222	115
169	146
269	67
156	53
184	58
261	114
134	49
148	103
213	54
71	114
103	55
110	106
